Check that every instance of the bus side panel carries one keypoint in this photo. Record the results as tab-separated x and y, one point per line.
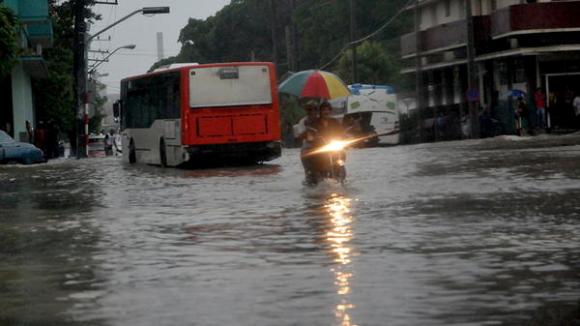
147	143
186	126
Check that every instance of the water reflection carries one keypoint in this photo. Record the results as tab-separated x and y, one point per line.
47	242
153	172
339	237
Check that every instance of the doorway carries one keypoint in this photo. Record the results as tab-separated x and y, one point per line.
6	116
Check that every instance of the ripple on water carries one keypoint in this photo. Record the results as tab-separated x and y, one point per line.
462	233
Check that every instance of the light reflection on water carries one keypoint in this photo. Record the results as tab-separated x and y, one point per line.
339	237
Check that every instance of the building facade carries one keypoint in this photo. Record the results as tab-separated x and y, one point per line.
16	93
519	46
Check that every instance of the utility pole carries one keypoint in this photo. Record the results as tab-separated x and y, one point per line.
79	68
472	83
418	72
295	50
289	48
291	41
352	39
273	17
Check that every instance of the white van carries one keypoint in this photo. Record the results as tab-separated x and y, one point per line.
373	109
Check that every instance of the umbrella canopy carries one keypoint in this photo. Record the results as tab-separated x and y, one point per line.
516	93
314	83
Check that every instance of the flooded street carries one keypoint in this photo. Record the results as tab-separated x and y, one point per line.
478	232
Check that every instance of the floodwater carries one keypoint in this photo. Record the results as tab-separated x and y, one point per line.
479	232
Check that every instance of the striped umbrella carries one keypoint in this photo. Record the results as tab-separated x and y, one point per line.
315	84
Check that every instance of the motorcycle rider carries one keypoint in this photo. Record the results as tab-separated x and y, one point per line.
327	126
317	128
305	130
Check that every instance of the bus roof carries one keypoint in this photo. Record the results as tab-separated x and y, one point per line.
184	66
176	65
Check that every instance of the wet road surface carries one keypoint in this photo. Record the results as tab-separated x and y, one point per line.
460	233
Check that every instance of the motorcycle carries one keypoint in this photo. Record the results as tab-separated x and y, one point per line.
326	162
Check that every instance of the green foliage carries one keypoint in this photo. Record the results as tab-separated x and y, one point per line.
96	121
239	32
324	31
251	29
375	65
163	62
290	111
8	40
54	96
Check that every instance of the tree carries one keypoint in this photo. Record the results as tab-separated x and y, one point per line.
375	65
249	29
8	40
98	101
54	96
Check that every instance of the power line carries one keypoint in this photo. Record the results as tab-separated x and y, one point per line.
356	42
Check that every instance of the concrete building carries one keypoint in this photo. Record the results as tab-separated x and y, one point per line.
16	94
519	45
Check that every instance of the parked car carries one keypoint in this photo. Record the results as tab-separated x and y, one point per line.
15	151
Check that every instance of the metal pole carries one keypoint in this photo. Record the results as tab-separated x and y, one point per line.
83	131
79	73
294	30
418	72
93	68
273	32
471	74
352	39
115	24
289	51
83	148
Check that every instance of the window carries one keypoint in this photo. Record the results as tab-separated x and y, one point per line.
519	71
447	8
434	21
502	72
151	98
229	86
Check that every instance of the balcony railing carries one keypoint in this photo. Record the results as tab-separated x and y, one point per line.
535	16
35	21
447	36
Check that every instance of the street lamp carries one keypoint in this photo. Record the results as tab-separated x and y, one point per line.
83	111
128	46
144	11
93	75
155	10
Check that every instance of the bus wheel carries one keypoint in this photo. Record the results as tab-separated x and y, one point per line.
162	153
132	154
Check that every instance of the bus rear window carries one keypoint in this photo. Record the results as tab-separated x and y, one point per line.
229	86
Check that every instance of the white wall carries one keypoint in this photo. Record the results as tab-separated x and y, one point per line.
436	13
427	17
22	102
506	3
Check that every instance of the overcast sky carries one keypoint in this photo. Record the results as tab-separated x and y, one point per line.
142	31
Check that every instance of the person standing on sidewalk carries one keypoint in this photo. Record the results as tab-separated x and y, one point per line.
540	102
520	113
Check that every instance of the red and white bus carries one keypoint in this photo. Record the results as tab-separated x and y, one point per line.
195	113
